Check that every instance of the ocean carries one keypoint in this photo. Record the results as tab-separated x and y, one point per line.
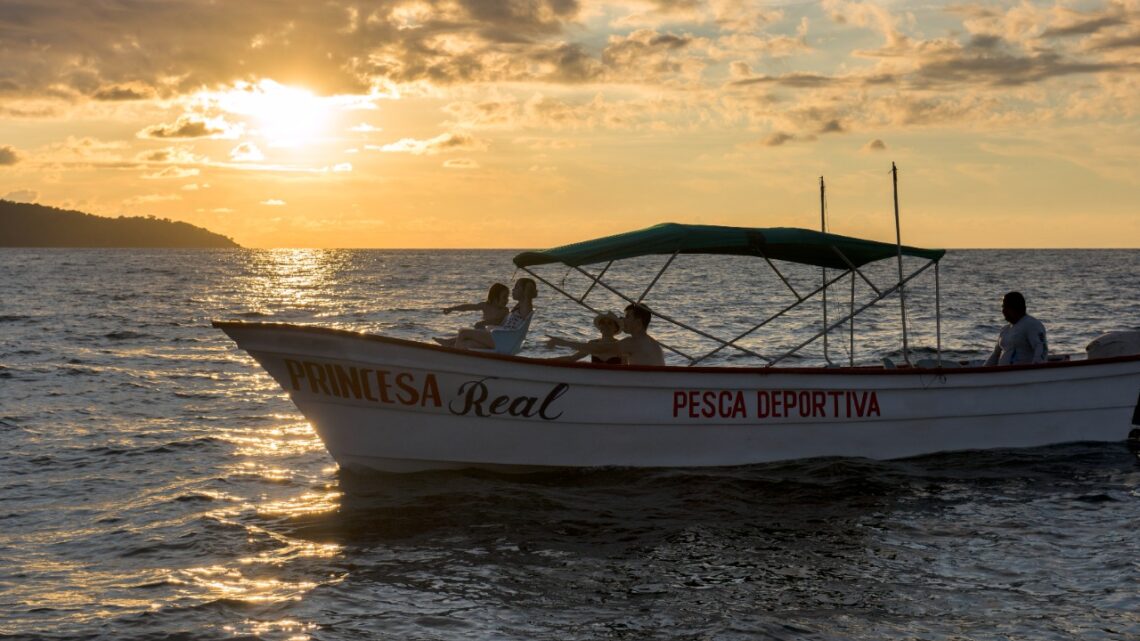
155	483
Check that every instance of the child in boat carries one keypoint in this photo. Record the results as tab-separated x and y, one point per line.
525	291
494	308
609	325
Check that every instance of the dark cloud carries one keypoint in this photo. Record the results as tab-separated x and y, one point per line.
832	126
129	49
777	138
1084	27
793	80
1123	42
184	127
8	155
875	145
123	93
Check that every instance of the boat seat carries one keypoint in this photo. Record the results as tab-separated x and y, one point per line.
508	341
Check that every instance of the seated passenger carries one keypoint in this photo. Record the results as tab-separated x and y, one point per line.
638	349
525	291
1023	339
609	325
494	308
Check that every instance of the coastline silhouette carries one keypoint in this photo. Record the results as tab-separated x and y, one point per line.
31	225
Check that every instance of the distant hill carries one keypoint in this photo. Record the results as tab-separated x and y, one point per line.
28	225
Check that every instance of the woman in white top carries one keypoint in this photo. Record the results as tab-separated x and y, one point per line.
525	291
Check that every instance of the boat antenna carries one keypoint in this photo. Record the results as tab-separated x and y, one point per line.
898	242
823	270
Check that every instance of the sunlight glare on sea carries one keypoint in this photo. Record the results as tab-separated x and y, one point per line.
155	483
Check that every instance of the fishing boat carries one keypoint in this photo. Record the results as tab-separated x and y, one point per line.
387	404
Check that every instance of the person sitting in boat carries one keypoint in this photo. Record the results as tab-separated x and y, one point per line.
610	326
525	291
1023	339
494	309
639	348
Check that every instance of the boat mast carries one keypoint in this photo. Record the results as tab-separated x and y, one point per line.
898	242
823	270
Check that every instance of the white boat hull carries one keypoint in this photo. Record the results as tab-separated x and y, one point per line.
399	406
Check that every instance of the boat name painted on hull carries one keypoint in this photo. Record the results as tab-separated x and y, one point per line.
473	397
776	404
405	388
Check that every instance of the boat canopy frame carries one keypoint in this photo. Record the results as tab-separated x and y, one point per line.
803	246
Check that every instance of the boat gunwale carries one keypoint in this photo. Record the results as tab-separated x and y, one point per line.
870	370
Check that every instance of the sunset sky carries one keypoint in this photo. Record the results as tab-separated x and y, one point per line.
531	123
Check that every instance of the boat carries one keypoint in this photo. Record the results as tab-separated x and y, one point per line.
393	405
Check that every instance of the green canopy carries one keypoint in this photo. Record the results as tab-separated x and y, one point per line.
781	243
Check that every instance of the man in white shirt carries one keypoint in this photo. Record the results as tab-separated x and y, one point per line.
1023	339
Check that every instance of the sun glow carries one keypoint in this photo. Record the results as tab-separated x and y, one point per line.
284	116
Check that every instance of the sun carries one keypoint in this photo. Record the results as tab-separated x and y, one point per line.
284	116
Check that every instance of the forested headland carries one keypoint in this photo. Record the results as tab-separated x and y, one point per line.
31	225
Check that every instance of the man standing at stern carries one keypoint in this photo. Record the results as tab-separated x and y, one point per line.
1023	339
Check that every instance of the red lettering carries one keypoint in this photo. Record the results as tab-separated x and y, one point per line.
316	378
708	406
678	402
348	382
805	403
404	381
383	385
789	402
332	382
431	390
762	401
874	409
835	402
296	372
817	401
366	386
860	404
693	403
738	407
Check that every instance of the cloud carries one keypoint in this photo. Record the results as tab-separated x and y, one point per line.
246	152
441	143
172	172
190	126
119	93
777	138
9	155
171	155
460	163
22	196
151	198
273	202
874	146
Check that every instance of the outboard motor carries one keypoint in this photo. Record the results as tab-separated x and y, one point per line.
1134	435
1112	344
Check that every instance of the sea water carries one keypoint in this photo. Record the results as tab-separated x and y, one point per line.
155	483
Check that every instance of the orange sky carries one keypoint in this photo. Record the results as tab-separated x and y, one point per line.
479	123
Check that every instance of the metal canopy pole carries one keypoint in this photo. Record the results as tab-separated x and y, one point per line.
938	314
591	287
732	343
898	242
658	276
670	319
851	323
823	270
859	311
603	284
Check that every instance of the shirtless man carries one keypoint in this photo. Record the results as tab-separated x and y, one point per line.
1023	339
639	348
